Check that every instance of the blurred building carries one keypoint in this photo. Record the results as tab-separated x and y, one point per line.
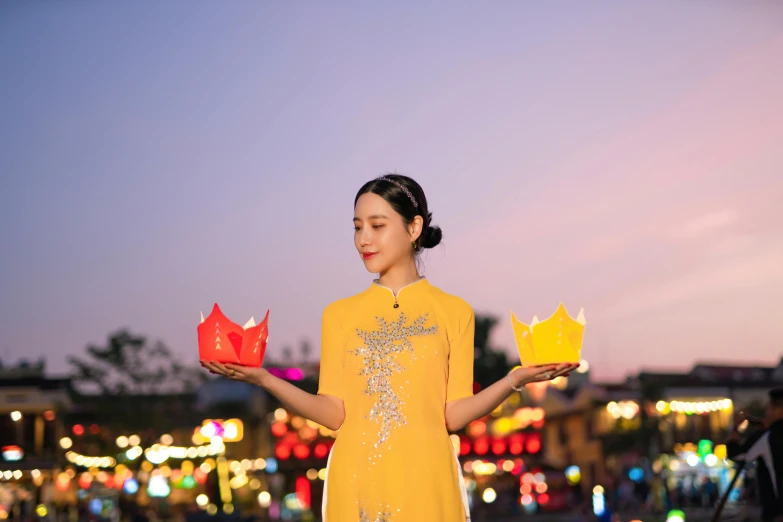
652	424
32	408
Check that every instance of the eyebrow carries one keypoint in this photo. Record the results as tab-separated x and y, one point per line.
374	216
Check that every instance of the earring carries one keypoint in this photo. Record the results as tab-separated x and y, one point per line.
413	244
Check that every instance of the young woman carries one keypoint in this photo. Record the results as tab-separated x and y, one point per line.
396	374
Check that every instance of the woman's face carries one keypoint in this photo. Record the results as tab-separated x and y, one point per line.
381	236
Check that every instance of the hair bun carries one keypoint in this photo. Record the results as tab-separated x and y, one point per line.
431	237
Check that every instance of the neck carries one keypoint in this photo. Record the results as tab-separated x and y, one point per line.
398	276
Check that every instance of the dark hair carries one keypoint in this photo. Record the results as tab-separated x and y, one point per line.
407	198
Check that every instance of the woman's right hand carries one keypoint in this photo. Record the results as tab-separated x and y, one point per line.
252	375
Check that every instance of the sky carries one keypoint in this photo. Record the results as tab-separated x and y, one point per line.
621	157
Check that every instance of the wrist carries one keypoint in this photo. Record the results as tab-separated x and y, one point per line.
517	383
263	379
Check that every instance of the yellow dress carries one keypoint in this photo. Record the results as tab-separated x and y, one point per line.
396	361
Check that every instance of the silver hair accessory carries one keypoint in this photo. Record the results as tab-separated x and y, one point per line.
402	187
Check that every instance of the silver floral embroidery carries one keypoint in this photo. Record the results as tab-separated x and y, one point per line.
379	517
379	354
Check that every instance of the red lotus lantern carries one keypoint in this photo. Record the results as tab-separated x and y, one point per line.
221	340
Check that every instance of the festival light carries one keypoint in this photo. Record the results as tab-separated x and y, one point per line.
691	408
158	487
489	495
12	453
573	475
264	499
599	502
62	482
303	491
675	515
625	409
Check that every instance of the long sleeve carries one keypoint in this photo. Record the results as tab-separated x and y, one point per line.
461	356
330	379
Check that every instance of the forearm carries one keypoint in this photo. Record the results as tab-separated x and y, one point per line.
462	412
317	408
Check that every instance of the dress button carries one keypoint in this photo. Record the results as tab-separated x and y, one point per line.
396	305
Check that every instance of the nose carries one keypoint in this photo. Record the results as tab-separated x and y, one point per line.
364	237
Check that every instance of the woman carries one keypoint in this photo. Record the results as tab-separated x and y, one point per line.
396	374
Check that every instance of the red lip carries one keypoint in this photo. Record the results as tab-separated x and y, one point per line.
368	255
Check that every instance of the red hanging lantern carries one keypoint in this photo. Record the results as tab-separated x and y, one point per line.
279	429
321	450
200	476
498	446
464	445
534	445
481	446
303	491
516	444
283	452
301	451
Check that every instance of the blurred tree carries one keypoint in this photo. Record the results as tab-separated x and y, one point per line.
288	355
131	386
129	365
491	363
305	350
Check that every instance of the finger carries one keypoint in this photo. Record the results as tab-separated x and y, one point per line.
223	368
544	376
219	369
236	371
237	374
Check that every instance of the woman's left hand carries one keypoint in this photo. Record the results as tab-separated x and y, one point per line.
523	376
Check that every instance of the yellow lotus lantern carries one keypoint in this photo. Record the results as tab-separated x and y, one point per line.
558	339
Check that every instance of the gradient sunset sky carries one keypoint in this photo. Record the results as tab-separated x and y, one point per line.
157	157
